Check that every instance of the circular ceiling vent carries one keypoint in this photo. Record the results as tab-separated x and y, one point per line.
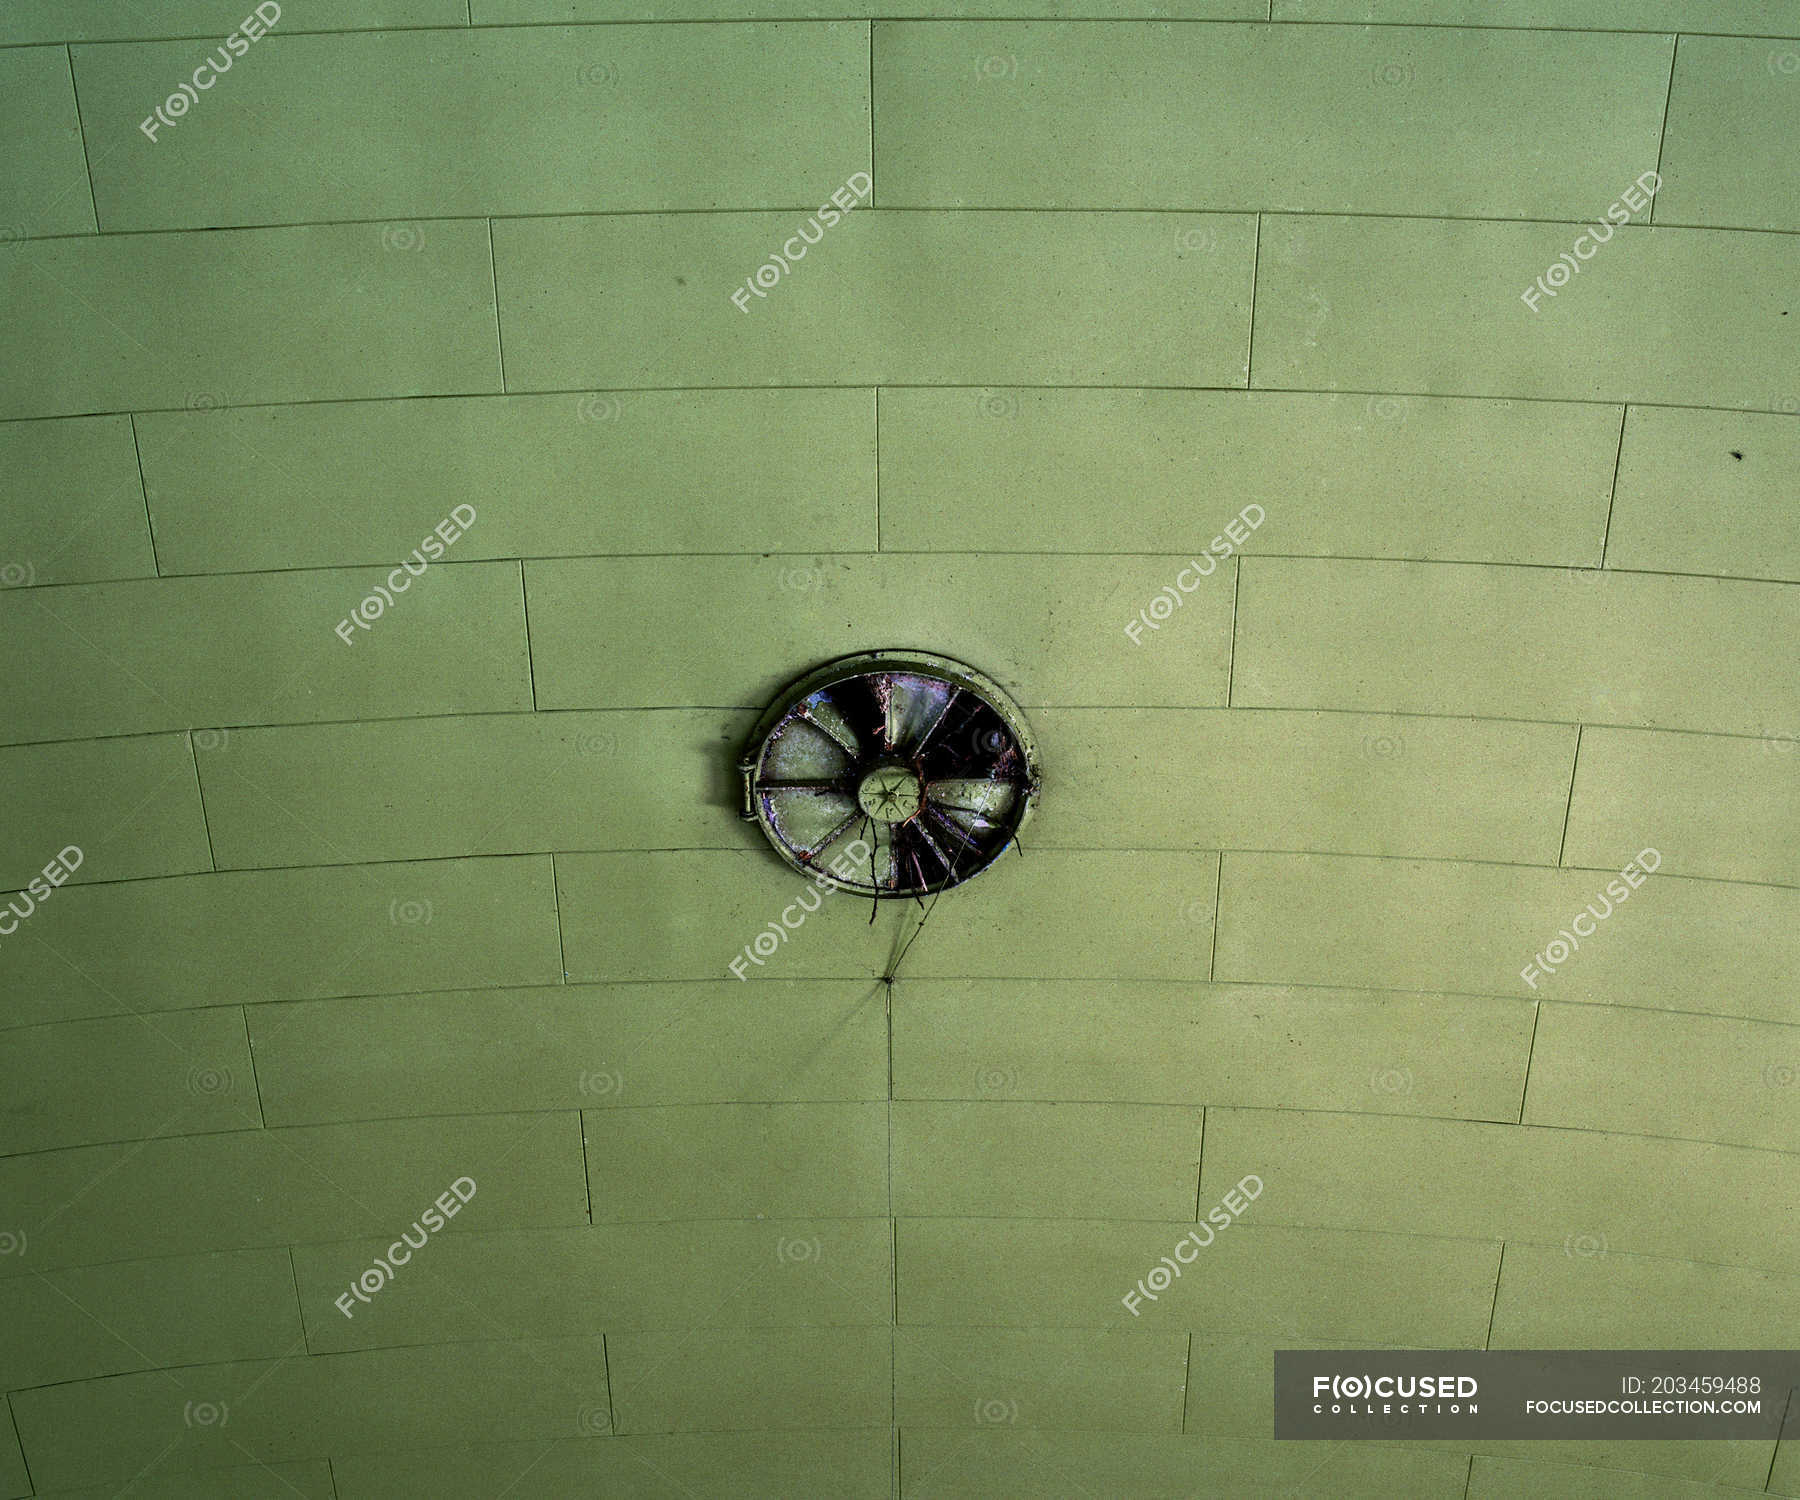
922	759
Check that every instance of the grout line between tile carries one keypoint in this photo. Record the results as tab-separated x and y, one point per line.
299	1307
1487	1341
1537	1015
525	620
1250	336
262	1116
144	493
1662	135
1212	959
212	857
1612	493
81	129
1569	805
562	956
587	1187
494	282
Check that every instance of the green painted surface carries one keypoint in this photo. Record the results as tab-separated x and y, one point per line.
365	913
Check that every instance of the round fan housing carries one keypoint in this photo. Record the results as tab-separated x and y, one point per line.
923	759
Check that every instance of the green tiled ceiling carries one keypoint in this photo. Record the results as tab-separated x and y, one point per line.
1170	366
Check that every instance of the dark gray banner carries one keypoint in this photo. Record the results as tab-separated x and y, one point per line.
1415	1394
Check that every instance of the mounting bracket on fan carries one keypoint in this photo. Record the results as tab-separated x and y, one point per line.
923	758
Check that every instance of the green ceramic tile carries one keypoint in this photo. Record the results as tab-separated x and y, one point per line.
661	1466
1207	1044
1732	104
1144	915
1522	1479
119	20
721	1382
1551	1300
634	118
648	471
1680	316
1045	1161
75	505
301	1481
579	1047
1694	945
604	1278
1047	629
131	806
1340	783
1231	1389
1306	119
1358	476
1708	491
520	12
320	312
1051	1465
1784	1475
1727	808
201	940
1542	643
147	1314
499	784
15	1481
46	192
1756	17
1002	1377
1708	1078
251	1188
1582	1193
1306	1283
873	307
94	1431
709	1161
130	658
126	1078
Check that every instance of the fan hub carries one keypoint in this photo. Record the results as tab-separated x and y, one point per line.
891	794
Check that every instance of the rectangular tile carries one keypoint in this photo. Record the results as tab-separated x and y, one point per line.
677	1382
1549	1300
109	20
176	653
1308	1283
75	503
983	1377
126	1078
344	483
711	1161
1048	1465
94	1431
643	1466
1754	17
499	784
1693	945
1332	782
632	119
1189	1043
1130	306
131	806
1144	915
148	1315
1669	315
1723	807
575	1047
1709	1078
252	1188
200	940
1647	651
602	1278
320	312
298	1481
46	192
1732	104
1582	1193
1044	1161
1048	629
1309	119
1358	476
1708	491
